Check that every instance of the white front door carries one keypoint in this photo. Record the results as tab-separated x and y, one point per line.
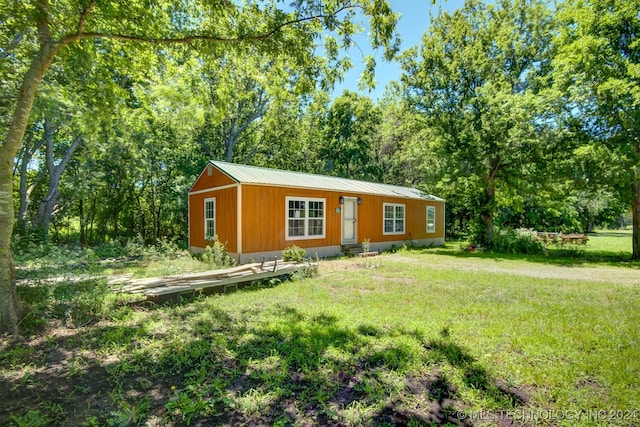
349	215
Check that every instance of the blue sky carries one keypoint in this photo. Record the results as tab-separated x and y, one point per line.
414	21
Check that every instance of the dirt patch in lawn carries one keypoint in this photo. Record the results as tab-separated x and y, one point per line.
65	383
72	377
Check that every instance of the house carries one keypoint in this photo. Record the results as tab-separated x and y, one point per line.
259	212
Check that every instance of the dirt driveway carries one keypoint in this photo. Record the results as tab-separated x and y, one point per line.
628	275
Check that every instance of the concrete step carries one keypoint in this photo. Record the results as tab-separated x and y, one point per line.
356	250
351	250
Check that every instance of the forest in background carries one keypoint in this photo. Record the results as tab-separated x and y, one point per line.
519	115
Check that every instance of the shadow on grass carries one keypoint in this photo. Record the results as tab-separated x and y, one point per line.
78	267
476	376
207	365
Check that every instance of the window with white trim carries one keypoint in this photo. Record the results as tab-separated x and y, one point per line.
210	218
431	219
394	218
305	218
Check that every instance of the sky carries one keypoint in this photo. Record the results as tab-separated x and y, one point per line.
414	21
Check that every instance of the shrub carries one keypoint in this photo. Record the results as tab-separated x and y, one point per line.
294	253
113	249
215	254
477	232
512	241
163	249
135	246
168	248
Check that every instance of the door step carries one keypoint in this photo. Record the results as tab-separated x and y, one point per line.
357	250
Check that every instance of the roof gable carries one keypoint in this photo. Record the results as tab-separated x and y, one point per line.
265	176
211	177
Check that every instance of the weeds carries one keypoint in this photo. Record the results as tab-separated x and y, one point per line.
184	406
215	254
129	413
33	418
408	343
294	253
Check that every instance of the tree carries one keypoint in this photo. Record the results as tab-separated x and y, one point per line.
289	134
350	127
474	77
402	154
55	170
240	90
597	77
36	32
29	148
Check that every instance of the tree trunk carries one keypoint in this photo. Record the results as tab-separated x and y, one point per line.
45	210
228	150
24	195
487	216
9	307
50	201
83	225
143	217
26	190
488	223
635	210
157	222
152	210
92	216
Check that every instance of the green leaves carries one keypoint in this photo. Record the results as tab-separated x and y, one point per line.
351	126
474	77
597	64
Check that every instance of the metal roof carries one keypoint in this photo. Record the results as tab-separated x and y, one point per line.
265	176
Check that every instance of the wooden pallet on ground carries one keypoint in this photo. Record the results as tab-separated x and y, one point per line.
213	281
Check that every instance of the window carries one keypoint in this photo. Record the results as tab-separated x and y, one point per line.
431	219
305	218
393	218
209	218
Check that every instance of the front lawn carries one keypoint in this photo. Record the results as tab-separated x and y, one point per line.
419	337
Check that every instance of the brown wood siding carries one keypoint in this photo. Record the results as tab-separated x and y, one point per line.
217	179
264	221
226	217
263	218
371	219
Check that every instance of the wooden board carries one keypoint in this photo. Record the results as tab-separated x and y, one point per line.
158	288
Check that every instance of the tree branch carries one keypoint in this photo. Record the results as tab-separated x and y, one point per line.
49	130
42	24
35	182
83	18
495	169
301	20
67	155
70	38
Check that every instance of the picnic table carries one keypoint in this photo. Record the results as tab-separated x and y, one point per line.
550	238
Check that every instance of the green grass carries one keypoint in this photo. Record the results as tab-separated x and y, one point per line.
611	242
603	248
411	338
